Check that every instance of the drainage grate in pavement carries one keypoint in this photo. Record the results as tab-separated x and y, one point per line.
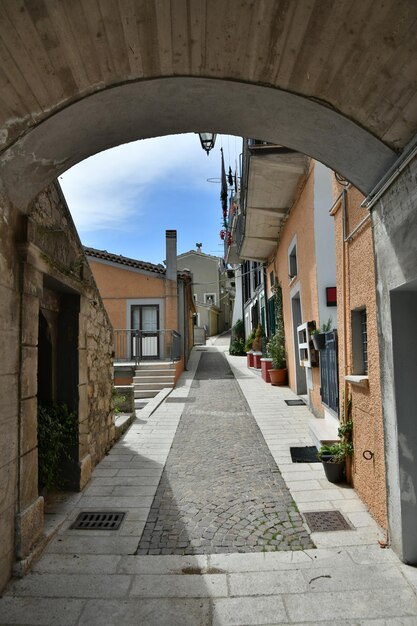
295	402
325	521
307	454
179	399
98	520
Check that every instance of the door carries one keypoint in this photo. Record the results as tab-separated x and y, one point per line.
329	378
145	319
300	372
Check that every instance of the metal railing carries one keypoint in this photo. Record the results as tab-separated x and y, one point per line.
134	346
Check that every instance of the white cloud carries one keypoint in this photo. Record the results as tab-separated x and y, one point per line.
106	190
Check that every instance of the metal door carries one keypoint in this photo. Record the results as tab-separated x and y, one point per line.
329	377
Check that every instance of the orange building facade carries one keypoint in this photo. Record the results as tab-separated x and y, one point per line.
141	296
323	259
357	313
354	318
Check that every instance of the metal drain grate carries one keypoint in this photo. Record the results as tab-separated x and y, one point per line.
98	520
178	399
326	521
295	402
306	454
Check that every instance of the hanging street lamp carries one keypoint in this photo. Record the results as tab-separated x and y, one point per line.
207	141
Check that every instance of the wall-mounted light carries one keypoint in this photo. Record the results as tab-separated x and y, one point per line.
207	141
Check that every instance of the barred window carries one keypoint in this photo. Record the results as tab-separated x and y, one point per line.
359	341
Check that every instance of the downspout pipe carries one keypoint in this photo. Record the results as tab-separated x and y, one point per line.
267	319
342	200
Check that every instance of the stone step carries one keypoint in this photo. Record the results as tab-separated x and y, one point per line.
158	365
154	379
146	393
323	430
155	372
140	403
153	385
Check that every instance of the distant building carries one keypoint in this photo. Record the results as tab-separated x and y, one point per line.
212	290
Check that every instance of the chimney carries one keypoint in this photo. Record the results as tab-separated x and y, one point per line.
171	254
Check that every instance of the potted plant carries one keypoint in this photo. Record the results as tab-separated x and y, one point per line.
266	366
334	455
248	348
237	342
276	345
318	335
257	346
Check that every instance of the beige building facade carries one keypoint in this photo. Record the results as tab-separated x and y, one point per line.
211	297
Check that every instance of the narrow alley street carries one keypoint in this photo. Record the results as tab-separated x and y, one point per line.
221	490
213	532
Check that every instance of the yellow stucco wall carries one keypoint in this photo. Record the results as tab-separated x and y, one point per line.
300	223
116	285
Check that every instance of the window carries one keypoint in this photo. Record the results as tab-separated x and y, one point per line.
246	281
292	260
271	280
210	298
256	274
364	341
359	341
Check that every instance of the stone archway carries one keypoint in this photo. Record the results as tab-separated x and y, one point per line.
307	75
334	80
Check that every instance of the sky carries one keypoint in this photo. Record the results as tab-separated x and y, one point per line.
122	200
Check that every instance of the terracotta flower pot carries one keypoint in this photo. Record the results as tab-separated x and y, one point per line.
278	377
266	366
250	358
257	360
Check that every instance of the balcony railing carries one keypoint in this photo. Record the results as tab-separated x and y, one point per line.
134	346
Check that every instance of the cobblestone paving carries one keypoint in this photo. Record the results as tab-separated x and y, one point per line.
221	490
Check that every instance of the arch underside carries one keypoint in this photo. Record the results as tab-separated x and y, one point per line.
151	108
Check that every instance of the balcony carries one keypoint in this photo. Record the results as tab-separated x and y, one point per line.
132	347
273	176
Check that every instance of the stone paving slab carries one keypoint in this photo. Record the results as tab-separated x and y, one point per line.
40	611
179	586
337	605
150	612
358	584
68	585
235	611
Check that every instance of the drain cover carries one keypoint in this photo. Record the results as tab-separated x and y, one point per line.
306	454
295	402
98	520
325	521
180	399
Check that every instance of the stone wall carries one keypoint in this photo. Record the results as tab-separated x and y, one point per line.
394	221
9	385
40	253
52	231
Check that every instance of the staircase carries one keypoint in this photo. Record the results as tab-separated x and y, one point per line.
150	378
